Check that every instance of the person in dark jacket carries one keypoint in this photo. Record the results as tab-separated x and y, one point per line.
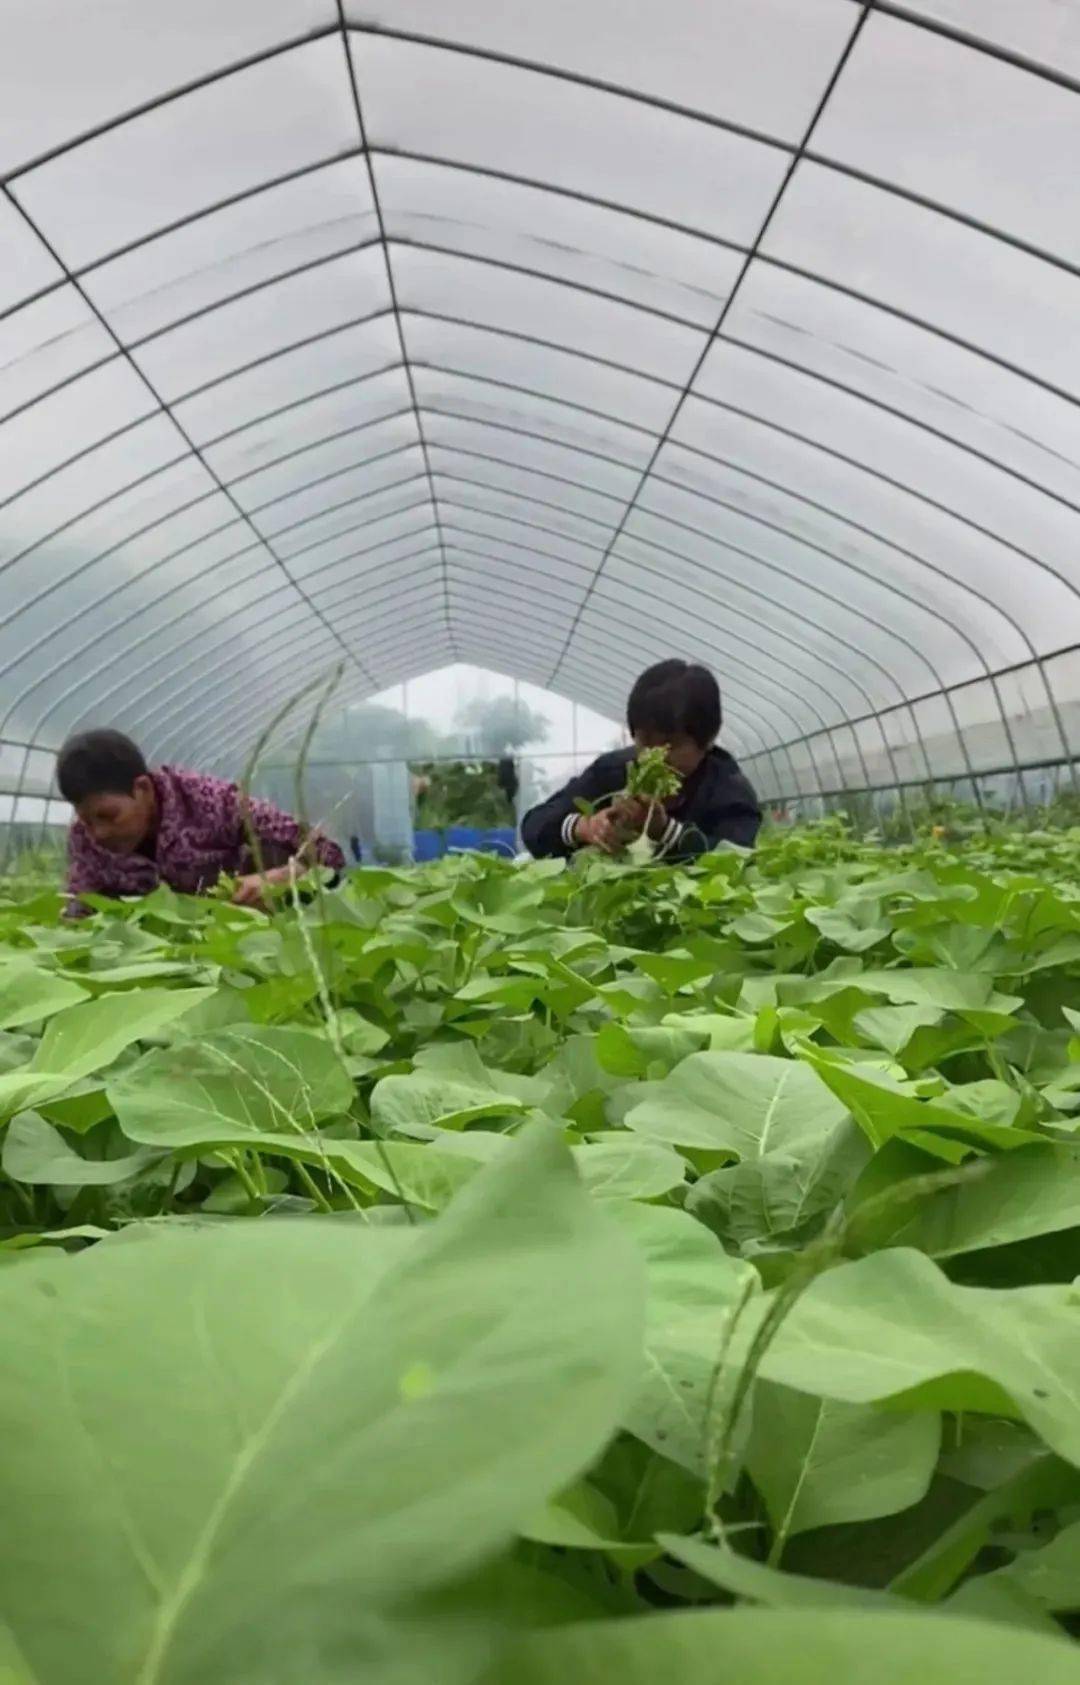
675	706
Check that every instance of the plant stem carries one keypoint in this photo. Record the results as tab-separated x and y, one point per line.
312	1187
251	1189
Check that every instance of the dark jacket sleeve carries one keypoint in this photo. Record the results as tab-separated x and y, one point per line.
729	812
545	829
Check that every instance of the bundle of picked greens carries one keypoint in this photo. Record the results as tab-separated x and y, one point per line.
650	782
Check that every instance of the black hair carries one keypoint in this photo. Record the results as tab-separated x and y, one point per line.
676	699
98	763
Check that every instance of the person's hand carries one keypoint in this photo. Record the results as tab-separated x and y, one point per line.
250	891
598	830
631	816
628	816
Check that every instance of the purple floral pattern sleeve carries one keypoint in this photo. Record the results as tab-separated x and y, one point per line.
201	833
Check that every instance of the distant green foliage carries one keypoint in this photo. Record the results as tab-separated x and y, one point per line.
461	793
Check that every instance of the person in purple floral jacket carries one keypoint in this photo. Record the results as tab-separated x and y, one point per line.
136	827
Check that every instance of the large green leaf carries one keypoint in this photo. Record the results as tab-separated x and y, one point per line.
88	1038
226	1450
893	1327
1033	1191
756	1582
28	994
629	1168
693	1289
818	1462
954	991
765	1199
426	1100
1051	1575
252	1079
883	1110
785	1647
745	1104
35	1152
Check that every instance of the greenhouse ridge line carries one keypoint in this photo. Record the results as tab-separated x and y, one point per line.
509	504
413	244
725	311
342	560
355	90
922	21
957	582
809	441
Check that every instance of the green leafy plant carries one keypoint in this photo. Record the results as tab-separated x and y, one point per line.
520	1272
651	778
651	781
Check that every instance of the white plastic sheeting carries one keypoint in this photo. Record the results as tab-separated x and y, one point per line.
552	337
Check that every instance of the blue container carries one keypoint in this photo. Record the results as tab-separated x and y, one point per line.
501	840
432	845
427	845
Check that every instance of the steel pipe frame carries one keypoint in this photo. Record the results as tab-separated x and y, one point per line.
693	561
151	389
533	470
363	610
812	444
254	636
155	632
802	439
604	665
354	88
638	373
341	561
1050	695
497	514
958	584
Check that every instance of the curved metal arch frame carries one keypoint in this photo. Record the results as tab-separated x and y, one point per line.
637	591
150	666
559	191
363	610
341	561
392	607
151	389
635	372
538	470
1050	695
354	89
419	640
693	562
517	525
811	443
511	631
512	647
803	440
720	543
715	635
578	540
222	671
419	626
396	588
110	630
349	28
960	585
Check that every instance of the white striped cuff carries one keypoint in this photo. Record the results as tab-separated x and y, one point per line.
670	839
569	826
